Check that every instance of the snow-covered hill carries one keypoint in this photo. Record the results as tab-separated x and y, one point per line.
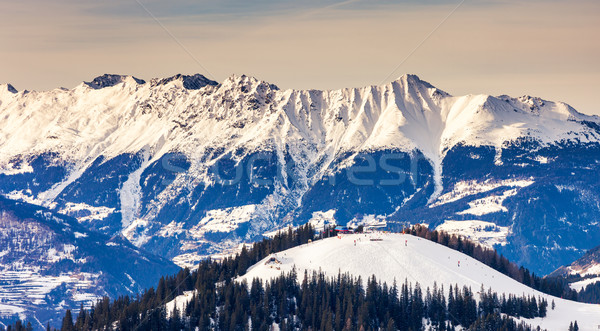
187	167
396	257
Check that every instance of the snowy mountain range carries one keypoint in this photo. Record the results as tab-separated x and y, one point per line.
186	167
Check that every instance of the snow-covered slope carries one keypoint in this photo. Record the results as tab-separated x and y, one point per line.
486	233
180	302
399	257
185	166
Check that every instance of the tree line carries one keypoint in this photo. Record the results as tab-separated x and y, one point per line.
589	293
318	302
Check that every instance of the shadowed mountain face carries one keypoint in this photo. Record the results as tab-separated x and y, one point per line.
186	167
49	263
587	265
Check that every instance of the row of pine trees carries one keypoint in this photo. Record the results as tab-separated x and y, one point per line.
317	302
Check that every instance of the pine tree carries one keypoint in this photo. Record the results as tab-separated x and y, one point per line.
417	309
160	291
452	306
175	321
349	315
338	314
87	324
79	322
543	307
67	322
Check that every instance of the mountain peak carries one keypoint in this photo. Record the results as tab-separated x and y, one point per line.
9	88
245	82
108	80
414	81
409	77
190	82
238	80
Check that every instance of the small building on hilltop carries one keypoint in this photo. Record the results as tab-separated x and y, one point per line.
342	229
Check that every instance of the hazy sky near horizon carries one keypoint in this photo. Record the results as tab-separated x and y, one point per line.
546	48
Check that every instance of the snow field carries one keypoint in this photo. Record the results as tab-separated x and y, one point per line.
399	257
485	233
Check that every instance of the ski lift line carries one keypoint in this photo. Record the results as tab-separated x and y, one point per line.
422	42
185	49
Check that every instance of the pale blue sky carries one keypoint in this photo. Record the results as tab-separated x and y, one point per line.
544	48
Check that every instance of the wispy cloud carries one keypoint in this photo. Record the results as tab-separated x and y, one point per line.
486	47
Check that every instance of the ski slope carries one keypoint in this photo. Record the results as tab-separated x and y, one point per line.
399	257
